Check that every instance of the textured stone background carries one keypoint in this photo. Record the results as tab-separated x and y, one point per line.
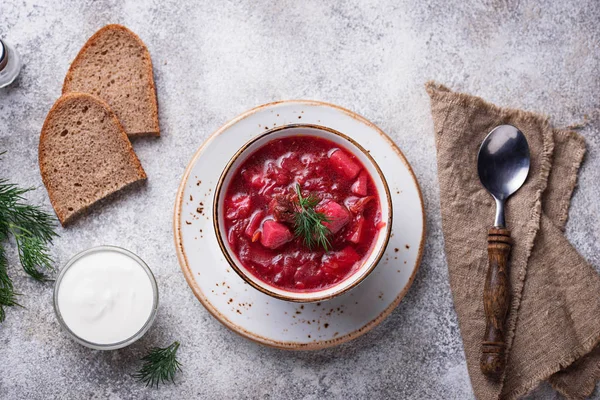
214	60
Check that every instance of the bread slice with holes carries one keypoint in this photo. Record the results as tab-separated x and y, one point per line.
115	65
84	155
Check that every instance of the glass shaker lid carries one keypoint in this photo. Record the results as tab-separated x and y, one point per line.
3	56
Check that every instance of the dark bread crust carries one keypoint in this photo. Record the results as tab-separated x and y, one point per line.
74	82
72	163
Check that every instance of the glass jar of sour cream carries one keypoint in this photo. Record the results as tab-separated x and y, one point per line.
106	297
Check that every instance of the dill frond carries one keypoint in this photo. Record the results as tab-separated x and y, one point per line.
160	365
308	223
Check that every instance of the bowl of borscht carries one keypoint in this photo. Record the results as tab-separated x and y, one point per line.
302	213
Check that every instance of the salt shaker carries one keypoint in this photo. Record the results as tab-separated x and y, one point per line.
10	64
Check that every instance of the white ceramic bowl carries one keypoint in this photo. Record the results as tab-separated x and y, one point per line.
385	201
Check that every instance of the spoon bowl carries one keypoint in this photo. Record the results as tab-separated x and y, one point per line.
503	165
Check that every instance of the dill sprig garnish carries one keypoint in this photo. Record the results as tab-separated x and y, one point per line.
33	230
160	365
308	223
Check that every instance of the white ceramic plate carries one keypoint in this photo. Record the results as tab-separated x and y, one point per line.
258	316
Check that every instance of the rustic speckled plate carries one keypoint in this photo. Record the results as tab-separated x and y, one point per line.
256	315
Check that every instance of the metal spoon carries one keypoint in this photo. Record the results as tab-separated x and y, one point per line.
503	165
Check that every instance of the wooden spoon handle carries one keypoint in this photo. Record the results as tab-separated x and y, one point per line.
496	300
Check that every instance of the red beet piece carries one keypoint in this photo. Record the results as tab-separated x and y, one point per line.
337	215
279	175
234	233
254	177
275	234
356	232
254	223
257	181
343	163
291	163
357	206
360	186
239	206
347	256
258	256
339	262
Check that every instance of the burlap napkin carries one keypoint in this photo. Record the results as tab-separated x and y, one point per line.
554	319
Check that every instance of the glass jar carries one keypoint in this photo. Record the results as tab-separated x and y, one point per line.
127	341
10	64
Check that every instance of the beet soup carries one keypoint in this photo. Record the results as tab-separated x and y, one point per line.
265	196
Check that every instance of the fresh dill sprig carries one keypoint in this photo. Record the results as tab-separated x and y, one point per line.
7	291
32	219
160	365
33	230
33	254
32	227
308	223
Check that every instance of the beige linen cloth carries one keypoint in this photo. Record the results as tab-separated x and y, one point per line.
553	326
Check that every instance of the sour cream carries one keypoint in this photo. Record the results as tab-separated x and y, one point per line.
106	296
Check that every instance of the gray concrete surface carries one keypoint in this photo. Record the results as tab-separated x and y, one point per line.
214	60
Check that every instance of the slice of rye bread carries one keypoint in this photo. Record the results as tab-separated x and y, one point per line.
84	155
115	65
